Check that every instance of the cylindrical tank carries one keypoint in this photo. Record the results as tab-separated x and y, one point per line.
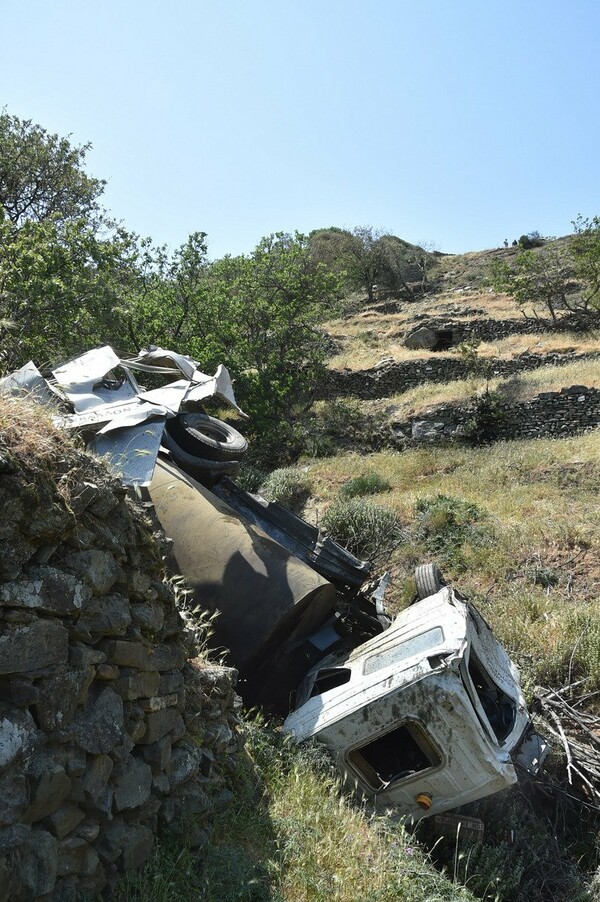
264	594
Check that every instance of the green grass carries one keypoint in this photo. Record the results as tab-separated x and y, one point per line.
532	558
292	835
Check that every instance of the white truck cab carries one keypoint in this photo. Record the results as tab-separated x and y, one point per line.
424	717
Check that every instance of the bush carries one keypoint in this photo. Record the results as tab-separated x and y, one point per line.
445	524
532	239
250	478
367	484
366	529
288	486
486	419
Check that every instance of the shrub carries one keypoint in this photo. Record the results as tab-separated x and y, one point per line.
251	478
366	484
288	486
366	529
445	524
486	418
532	239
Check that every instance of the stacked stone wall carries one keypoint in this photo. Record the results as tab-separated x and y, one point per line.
394	378
108	733
570	411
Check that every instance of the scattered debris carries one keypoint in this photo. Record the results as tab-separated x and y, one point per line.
423	713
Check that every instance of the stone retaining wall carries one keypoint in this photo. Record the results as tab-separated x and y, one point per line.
394	378
569	411
108	733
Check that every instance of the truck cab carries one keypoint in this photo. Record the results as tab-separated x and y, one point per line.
424	717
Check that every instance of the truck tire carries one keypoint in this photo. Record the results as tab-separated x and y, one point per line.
206	437
429	580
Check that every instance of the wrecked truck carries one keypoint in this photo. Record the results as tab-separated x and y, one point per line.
421	713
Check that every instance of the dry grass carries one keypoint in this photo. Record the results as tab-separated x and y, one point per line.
365	339
27	431
538	576
520	387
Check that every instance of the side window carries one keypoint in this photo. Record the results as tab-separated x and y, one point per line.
330	678
499	708
416	645
399	754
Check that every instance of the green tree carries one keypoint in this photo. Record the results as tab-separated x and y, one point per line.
261	314
59	289
537	279
42	176
585	254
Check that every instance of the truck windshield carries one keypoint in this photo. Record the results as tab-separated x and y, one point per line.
402	752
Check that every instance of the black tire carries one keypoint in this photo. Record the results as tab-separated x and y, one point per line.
207	437
207	472
429	580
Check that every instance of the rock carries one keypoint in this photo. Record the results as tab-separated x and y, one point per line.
14	798
107	672
170	682
100	726
97	568
65	819
28	863
41	644
75	856
17	733
148	617
23	692
106	616
138	848
159	702
185	764
158	754
96	777
167	657
421	338
160	723
133	786
60	695
50	786
48	590
139	684
125	654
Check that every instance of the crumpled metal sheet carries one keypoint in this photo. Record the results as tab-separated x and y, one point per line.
27	381
128	422
83	380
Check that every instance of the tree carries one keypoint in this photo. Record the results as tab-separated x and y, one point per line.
60	284
585	254
42	176
543	278
261	314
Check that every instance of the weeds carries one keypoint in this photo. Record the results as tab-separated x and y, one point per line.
288	486
367	484
366	529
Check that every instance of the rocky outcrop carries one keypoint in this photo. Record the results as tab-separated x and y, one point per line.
108	733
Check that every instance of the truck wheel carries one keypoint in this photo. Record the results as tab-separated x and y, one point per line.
429	580
207	437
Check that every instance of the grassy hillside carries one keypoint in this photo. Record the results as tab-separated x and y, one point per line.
513	525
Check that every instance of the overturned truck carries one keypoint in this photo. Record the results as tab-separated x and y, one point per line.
422	713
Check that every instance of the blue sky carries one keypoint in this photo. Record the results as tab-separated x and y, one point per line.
453	122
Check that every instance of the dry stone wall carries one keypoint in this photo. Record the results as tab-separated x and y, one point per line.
393	378
108	733
569	411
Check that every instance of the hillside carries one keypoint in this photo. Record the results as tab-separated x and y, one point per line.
512	523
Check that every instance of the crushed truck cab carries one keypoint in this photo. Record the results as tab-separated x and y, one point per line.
424	717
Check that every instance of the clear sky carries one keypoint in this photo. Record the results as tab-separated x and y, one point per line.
454	122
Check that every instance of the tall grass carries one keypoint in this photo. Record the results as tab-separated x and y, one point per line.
293	836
